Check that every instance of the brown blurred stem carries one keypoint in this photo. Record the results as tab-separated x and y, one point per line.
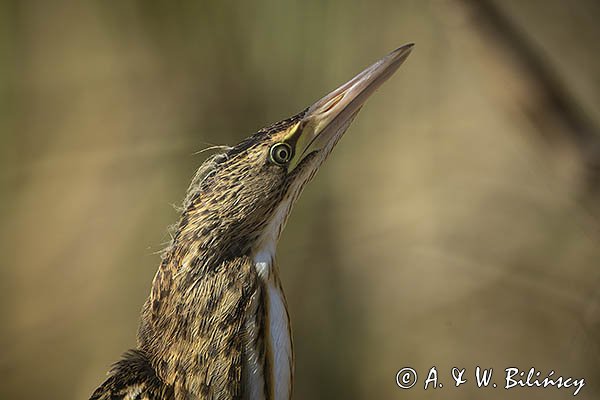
553	102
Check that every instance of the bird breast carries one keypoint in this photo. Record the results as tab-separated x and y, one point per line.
272	378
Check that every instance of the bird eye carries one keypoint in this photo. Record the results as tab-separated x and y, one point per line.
281	153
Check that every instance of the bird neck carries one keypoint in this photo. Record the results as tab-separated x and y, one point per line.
192	297
265	247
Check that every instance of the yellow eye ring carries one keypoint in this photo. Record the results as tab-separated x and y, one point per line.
280	153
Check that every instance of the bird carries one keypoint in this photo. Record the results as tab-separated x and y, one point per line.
216	322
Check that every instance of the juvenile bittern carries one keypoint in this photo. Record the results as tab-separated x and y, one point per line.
215	325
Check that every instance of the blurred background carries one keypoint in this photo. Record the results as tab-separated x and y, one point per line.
456	224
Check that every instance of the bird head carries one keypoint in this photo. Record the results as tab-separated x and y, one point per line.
240	200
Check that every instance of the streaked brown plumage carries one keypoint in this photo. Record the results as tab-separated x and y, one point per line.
215	325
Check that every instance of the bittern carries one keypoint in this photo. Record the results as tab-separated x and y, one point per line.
216	325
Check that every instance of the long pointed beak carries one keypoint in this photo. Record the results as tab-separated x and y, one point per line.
327	119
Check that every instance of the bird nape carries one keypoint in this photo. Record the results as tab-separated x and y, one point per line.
215	325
